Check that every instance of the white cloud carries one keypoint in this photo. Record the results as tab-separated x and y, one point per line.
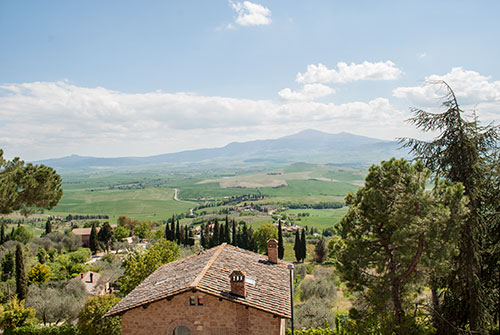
308	93
251	14
54	119
473	91
346	73
422	55
470	87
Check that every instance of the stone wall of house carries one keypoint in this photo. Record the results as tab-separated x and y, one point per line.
209	315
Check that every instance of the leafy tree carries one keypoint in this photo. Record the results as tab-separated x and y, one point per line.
91	321
38	274
392	231
121	232
281	248
54	303
297	246
42	255
138	265
16	315
93	242
142	230
7	266
465	152
22	235
320	250
25	187
105	235
48	227
262	235
21	287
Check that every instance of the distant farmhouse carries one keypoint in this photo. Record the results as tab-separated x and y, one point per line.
85	234
223	290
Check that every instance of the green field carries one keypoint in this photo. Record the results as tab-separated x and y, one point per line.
150	195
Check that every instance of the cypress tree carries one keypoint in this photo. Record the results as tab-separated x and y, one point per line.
227	233
297	245
48	227
93	242
281	248
303	246
21	281
178	233
172	229
244	237
203	241
12	233
167	232
2	233
216	234
235	236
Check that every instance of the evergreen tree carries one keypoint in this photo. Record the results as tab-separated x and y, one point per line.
186	236
2	233
93	242
11	237
244	237
178	233
216	234
48	227
21	281
281	248
235	234
191	237
297	246
167	232
250	240
227	232
303	246
105	235
7	266
172	230
460	153
203	241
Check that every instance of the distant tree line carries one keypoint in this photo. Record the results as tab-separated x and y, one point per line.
180	234
70	217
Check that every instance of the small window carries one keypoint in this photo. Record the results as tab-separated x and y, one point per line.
182	330
200	301
192	301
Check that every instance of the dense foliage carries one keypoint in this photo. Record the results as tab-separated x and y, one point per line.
91	321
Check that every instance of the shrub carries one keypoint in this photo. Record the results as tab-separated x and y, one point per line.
91	321
50	330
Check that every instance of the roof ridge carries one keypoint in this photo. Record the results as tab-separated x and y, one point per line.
212	259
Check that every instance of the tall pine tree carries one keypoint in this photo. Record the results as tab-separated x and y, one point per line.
297	246
48	227
234	240
460	153
303	245
93	242
281	248
2	233
21	280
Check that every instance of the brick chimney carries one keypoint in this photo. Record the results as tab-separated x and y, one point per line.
238	283
272	250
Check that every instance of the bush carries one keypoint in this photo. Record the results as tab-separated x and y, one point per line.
314	313
317	288
91	321
50	330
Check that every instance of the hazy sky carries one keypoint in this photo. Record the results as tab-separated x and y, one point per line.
137	78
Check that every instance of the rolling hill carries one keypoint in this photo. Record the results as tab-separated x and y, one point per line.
307	146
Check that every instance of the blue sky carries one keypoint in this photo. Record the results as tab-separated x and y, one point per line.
120	78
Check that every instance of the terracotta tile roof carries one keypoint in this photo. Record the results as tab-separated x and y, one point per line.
267	284
84	231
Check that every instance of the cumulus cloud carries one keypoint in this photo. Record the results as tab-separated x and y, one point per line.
251	14
473	91
349	72
309	92
52	119
469	86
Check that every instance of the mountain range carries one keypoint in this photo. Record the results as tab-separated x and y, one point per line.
310	146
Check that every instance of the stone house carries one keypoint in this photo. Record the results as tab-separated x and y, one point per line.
85	234
223	290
